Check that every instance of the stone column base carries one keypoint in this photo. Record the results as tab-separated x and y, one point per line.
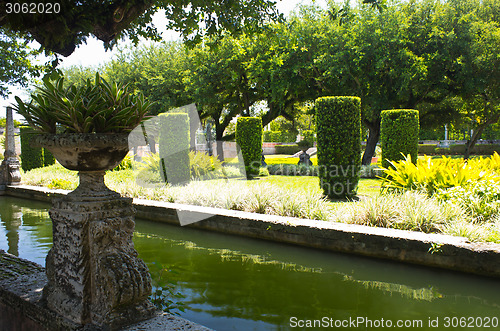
94	273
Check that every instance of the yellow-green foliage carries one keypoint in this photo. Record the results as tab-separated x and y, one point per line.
492	163
201	166
430	175
204	166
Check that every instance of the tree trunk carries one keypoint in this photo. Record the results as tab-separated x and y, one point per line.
219	131
152	144
472	142
220	150
209	138
371	143
476	135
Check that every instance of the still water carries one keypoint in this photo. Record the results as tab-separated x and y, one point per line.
234	283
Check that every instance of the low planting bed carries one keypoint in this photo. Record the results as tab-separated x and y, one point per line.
434	196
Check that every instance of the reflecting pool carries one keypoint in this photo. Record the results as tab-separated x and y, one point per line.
235	283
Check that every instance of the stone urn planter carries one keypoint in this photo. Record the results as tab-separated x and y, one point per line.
94	273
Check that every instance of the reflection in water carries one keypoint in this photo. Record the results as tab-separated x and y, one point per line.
229	280
25	228
234	283
13	213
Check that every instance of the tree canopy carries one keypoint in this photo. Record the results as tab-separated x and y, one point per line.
64	27
440	57
16	61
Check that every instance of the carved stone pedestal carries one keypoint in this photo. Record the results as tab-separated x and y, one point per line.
9	168
94	274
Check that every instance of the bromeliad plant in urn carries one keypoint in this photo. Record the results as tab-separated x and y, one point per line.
94	273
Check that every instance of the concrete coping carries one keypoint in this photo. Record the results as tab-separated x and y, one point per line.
434	250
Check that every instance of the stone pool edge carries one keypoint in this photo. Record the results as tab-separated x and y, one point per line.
22	307
433	250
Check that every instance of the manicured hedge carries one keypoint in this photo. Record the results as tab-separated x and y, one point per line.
31	157
427	149
399	135
288	149
249	139
292	170
485	149
338	127
278	136
48	158
478	149
174	147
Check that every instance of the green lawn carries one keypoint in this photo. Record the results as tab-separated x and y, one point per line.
367	187
278	159
286	159
434	157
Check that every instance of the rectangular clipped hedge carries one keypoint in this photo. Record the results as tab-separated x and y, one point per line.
278	136
249	140
174	146
399	135
338	128
478	149
427	149
457	149
288	149
48	158
31	157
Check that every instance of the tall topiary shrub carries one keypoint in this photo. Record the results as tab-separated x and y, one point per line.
174	148
249	139
399	130
31	157
338	130
48	158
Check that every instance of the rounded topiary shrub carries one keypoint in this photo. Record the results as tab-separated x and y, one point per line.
399	135
174	148
249	139
31	157
338	135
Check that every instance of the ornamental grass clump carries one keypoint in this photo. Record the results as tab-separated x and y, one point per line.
473	230
408	211
95	107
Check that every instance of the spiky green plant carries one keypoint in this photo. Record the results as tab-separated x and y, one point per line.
96	107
